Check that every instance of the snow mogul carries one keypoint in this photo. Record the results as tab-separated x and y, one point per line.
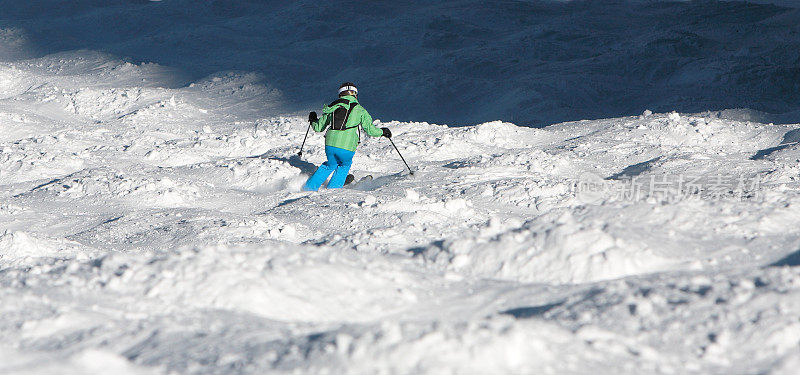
344	118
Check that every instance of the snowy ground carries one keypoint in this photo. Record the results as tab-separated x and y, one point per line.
151	220
153	230
458	62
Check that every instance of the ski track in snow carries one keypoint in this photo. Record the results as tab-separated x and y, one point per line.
153	230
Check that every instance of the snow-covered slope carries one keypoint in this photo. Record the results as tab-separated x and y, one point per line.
457	62
782	3
150	227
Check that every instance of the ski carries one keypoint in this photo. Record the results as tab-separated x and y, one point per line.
362	180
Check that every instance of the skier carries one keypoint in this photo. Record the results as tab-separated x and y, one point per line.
344	119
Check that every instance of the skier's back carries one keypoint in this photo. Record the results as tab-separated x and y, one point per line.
344	118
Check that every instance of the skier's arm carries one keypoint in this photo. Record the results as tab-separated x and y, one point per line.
366	124
321	123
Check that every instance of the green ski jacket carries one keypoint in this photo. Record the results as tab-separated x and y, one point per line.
346	139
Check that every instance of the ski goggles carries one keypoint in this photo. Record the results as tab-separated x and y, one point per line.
348	88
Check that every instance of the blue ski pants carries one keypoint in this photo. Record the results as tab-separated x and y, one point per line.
339	161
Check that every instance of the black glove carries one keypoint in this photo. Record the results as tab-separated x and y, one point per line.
387	133
312	117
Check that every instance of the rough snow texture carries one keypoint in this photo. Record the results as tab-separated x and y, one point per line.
151	219
149	230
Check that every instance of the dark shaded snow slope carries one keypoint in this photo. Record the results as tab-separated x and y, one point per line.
457	62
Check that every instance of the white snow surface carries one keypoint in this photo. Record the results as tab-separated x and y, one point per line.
152	230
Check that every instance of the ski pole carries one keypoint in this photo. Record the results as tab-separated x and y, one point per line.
304	140
401	156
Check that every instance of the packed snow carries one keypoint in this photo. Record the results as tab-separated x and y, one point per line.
150	225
